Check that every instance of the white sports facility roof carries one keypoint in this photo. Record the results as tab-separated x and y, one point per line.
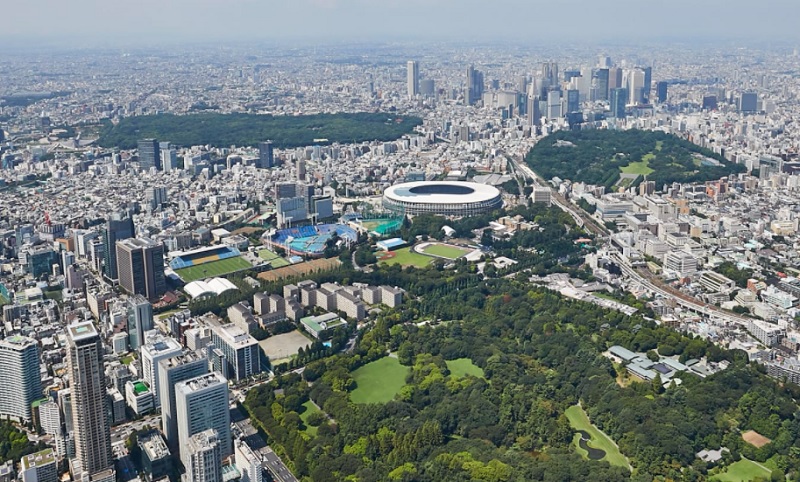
209	287
451	192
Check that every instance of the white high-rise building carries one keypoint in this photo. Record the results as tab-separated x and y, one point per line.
156	348
202	403
204	457
172	371
22	381
89	403
50	418
248	462
413	78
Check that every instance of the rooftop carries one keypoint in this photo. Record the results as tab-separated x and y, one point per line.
46	456
82	330
202	382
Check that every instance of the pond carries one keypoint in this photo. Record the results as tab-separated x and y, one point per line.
593	453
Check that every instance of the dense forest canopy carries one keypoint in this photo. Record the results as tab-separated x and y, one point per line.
600	156
539	354
223	130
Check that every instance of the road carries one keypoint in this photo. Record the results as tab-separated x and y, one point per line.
275	466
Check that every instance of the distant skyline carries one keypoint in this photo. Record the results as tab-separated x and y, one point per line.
118	22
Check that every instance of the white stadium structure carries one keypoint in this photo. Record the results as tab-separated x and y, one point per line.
447	198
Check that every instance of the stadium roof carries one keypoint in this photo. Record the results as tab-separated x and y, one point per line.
441	192
209	287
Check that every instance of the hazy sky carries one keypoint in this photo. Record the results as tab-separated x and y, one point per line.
557	20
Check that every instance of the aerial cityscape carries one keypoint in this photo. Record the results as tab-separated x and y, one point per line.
395	259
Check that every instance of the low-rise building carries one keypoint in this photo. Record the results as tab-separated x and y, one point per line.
139	397
321	326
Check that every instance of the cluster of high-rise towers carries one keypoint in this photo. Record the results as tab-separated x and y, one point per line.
550	93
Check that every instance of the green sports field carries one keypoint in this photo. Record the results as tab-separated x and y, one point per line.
405	257
379	381
445	251
274	260
599	440
462	367
212	269
743	471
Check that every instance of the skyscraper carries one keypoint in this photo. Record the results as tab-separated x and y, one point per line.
474	89
202	403
241	350
140	320
614	78
648	84
205	457
119	227
266	157
141	267
22	381
149	154
554	104
748	102
412	78
573	100
169	159
172	371
634	82
155	349
617	102
601	84
89	402
661	92
534	111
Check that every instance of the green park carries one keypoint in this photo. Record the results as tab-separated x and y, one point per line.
599	441
379	381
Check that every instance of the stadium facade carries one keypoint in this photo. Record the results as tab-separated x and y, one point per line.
446	198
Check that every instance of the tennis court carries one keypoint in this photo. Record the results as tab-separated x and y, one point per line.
274	260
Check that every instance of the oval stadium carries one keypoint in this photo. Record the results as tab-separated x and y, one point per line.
446	198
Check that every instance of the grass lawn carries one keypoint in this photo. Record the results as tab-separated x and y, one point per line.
580	421
127	360
742	471
310	408
449	252
406	257
273	258
379	381
212	269
639	168
462	367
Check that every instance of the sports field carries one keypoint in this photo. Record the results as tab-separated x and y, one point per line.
284	346
212	269
743	471
379	381
274	260
404	257
599	440
445	251
462	367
